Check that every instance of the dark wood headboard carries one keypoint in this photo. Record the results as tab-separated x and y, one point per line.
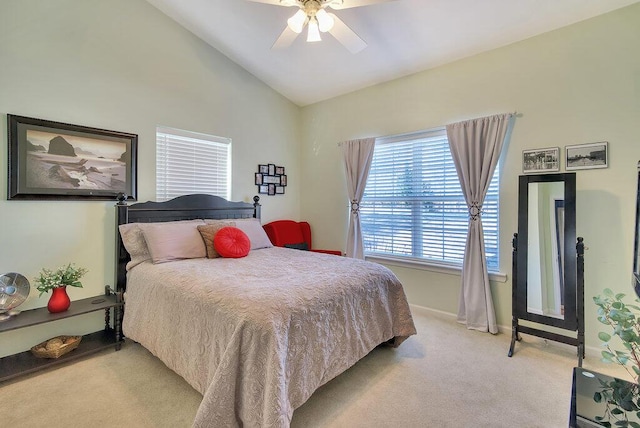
186	207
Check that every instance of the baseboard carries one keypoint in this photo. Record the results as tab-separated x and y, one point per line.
454	317
592	353
434	311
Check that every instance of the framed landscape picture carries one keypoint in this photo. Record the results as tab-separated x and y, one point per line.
587	156
541	160
53	160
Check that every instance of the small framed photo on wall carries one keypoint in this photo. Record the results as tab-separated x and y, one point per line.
541	160
587	156
271	179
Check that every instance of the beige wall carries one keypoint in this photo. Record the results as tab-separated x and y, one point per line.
580	84
122	65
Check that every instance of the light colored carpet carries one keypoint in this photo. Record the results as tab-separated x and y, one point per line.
446	376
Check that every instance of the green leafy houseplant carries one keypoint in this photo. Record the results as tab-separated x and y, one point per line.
68	275
613	312
620	398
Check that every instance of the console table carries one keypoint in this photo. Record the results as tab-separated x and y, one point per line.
598	400
25	362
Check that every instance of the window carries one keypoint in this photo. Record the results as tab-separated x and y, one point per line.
188	162
413	207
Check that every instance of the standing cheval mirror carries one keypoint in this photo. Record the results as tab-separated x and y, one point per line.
548	262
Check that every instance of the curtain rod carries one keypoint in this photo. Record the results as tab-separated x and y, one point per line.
439	128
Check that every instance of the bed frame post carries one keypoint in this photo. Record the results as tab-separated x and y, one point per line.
122	216
256	207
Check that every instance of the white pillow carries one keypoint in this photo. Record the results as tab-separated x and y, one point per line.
255	232
173	240
134	242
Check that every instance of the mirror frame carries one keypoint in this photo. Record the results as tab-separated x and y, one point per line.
636	263
570	321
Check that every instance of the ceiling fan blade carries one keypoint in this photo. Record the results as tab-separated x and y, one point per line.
277	2
346	4
346	35
286	38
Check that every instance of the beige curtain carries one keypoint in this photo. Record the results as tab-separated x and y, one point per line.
475	147
357	162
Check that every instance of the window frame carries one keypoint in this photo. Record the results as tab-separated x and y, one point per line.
441	266
166	133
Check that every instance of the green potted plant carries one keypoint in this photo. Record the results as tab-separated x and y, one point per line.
620	317
57	281
622	402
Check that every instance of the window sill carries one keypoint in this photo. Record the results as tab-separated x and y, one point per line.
432	267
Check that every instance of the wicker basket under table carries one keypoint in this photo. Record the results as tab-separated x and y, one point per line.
69	343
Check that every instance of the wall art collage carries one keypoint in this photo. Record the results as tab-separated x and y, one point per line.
271	179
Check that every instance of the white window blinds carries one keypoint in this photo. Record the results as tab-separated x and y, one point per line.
189	162
413	206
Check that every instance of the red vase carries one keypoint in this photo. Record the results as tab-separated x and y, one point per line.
59	301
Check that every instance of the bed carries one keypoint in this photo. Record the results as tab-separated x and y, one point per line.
256	335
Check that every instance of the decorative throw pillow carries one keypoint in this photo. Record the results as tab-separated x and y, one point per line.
208	233
173	241
255	232
134	243
300	246
232	242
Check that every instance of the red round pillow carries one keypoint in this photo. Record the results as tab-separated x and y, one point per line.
231	242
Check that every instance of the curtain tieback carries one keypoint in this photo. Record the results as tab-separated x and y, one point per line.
475	210
355	207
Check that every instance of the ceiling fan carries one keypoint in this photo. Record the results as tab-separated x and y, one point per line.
313	14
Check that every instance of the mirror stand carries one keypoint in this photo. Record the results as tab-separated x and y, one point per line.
577	339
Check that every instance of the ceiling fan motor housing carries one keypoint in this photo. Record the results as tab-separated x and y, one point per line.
313	14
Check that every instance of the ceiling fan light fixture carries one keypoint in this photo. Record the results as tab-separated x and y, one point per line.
314	32
297	21
325	21
315	15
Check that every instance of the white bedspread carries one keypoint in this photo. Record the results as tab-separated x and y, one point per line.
258	335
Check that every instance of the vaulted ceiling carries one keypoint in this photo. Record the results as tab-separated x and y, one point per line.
402	36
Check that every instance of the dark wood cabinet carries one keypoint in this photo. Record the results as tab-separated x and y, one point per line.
25	362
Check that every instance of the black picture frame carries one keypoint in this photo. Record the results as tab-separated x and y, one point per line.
85	163
270	179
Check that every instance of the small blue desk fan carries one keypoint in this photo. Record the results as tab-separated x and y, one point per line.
14	290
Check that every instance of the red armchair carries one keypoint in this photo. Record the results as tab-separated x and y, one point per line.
293	234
